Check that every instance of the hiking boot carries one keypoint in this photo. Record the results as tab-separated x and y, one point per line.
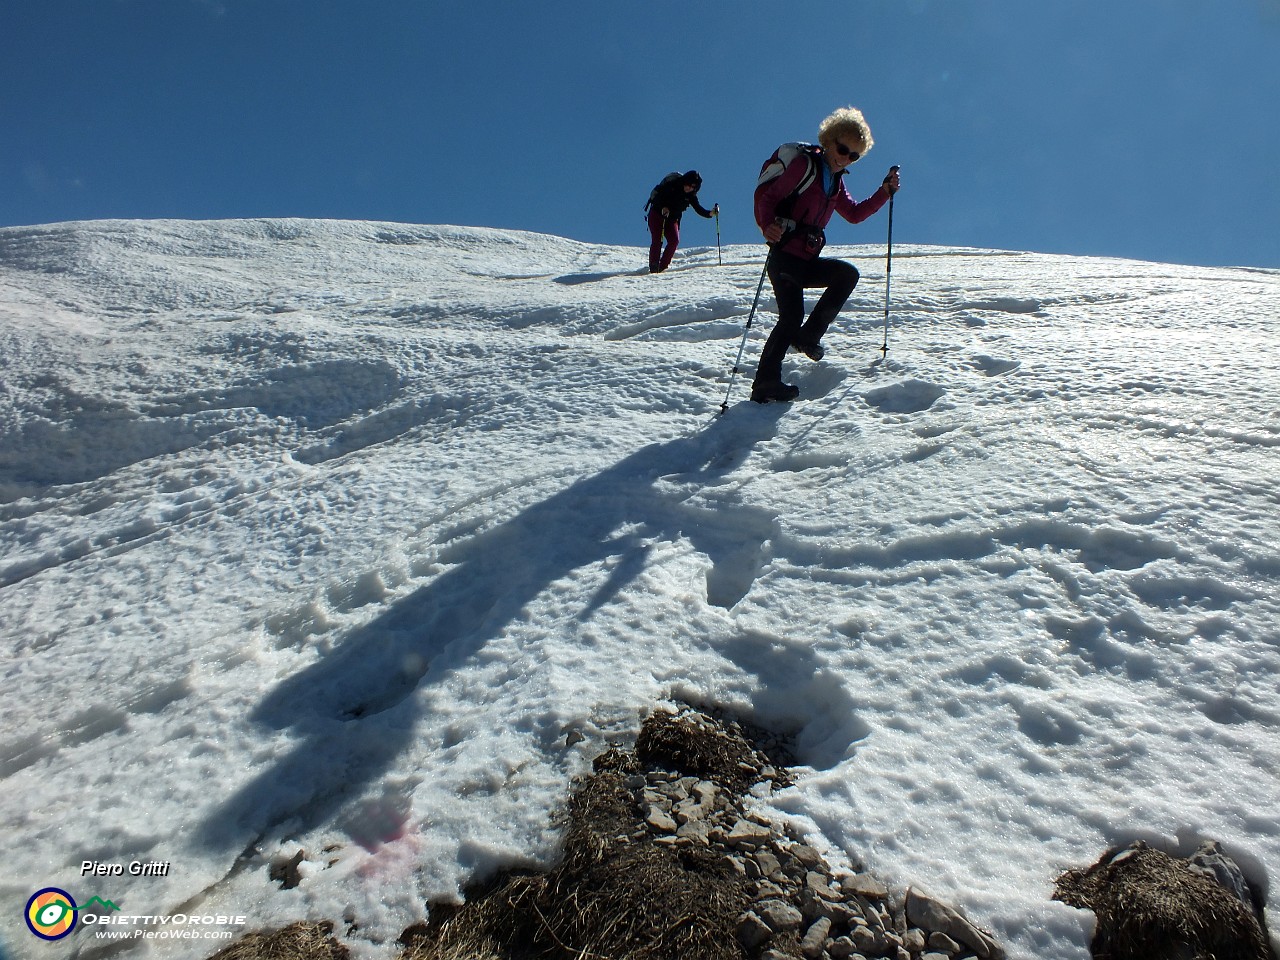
766	392
813	351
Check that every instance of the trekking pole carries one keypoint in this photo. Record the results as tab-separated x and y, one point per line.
888	271
745	330
719	259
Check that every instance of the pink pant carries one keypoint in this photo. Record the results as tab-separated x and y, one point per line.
659	227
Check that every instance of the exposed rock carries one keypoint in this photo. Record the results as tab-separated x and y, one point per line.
1210	861
659	819
943	943
808	857
752	931
814	941
931	915
867	940
767	864
748	832
864	886
914	940
779	915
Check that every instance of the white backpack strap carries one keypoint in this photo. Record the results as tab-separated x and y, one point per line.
783	158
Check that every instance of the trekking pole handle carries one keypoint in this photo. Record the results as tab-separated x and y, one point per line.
892	170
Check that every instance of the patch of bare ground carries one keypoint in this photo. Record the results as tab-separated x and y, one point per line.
665	857
1150	904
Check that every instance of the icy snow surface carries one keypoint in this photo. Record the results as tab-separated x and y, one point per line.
326	536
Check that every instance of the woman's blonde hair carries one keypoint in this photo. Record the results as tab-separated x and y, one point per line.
845	122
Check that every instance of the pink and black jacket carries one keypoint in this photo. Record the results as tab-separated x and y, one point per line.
791	186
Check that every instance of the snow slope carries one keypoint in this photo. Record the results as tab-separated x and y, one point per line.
328	537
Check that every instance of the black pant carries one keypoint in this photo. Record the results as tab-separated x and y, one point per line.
790	275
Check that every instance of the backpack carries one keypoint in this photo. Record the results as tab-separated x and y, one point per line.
669	178
782	158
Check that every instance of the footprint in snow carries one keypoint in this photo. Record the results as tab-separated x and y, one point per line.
909	396
994	366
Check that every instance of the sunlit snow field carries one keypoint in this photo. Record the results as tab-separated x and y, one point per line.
333	537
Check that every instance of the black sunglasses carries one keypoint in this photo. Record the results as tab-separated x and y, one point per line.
846	152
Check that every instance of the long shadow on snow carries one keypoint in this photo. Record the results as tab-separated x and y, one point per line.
342	707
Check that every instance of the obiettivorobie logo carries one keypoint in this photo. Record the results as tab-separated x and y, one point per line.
51	913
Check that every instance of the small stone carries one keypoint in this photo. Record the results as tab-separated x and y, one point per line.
914	940
688	810
813	906
807	855
752	931
820	884
942	943
846	914
867	940
746	831
695	830
768	890
779	915
659	819
841	948
863	885
815	939
768	864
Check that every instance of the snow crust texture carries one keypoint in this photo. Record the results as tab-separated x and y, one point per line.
359	540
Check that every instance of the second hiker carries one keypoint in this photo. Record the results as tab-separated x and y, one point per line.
667	201
800	187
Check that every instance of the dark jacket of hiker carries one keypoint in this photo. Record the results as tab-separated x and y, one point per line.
671	196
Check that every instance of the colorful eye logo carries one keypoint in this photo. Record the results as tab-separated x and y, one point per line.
51	913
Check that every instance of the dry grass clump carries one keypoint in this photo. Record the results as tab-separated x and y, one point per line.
698	749
298	941
1151	905
616	894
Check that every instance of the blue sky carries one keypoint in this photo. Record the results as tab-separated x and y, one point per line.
1143	128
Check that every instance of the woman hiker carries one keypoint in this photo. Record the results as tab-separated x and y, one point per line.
800	187
667	201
